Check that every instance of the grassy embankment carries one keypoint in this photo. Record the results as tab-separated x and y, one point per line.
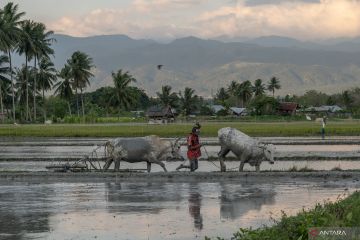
209	129
343	213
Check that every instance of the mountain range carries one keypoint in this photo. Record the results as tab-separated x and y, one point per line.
208	64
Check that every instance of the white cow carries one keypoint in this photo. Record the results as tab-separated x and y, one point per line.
246	148
150	149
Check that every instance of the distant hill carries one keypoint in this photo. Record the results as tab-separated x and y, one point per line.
206	65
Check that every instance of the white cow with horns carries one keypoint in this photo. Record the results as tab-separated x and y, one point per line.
244	147
150	149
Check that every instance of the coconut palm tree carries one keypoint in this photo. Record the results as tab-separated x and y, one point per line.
259	87
26	46
274	84
10	19
188	100
167	98
42	42
124	95
347	99
245	91
63	88
233	89
80	69
23	77
222	96
46	77
4	82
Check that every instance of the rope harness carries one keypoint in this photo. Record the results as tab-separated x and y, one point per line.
212	162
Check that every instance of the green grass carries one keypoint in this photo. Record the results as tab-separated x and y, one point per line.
89	119
171	130
343	213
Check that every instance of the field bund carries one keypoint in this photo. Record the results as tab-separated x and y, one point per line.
351	176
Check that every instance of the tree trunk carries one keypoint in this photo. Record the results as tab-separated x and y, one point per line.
1	105
12	88
77	102
44	107
27	88
35	89
82	102
69	108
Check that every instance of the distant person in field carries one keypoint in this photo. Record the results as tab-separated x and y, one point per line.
193	152
323	124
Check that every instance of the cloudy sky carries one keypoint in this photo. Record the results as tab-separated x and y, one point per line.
168	19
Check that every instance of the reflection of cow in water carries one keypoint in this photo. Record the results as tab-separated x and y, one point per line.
149	149
246	148
237	200
140	197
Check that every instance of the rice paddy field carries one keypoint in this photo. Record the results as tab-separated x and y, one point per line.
281	129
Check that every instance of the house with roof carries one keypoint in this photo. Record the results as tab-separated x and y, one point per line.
324	109
288	108
238	111
160	115
216	108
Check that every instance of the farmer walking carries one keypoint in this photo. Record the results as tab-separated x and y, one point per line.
194	146
193	152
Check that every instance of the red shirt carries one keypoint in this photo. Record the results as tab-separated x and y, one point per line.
193	146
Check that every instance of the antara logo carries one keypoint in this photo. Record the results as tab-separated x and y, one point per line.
332	233
314	233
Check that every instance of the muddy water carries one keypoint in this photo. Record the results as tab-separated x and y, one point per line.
24	157
127	210
62	150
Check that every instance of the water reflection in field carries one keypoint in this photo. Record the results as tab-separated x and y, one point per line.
204	166
151	210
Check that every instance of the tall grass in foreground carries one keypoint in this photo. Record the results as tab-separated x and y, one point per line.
343	213
270	129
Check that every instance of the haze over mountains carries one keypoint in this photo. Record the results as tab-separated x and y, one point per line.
206	65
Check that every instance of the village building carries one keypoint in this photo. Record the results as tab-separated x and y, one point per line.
288	108
324	109
160	115
238	111
216	108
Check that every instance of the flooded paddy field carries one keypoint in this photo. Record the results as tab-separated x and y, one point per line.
178	205
76	149
33	154
126	209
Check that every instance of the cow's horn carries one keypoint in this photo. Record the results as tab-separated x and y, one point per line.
263	146
177	140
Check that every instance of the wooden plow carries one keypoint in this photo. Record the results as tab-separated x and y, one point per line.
90	162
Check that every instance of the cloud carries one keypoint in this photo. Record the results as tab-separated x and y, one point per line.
260	2
304	20
158	19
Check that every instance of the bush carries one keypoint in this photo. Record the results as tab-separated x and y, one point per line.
343	213
56	107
